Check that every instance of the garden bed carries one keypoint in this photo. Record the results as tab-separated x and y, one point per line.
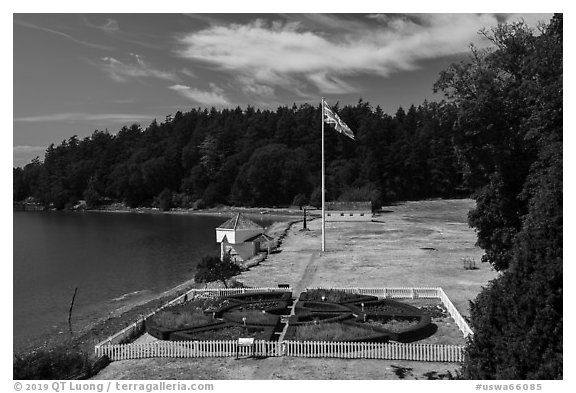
314	319
354	318
319	307
334	296
352	332
389	307
256	297
176	318
251	317
224	332
394	325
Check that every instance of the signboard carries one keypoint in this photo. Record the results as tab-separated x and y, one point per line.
245	341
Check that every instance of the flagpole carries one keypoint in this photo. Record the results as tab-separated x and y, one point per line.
323	222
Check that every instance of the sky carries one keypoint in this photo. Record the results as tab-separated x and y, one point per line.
76	73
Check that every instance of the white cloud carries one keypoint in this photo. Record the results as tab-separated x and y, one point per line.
121	72
289	55
111	26
28	149
250	87
213	97
188	72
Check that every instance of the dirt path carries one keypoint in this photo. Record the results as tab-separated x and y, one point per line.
308	275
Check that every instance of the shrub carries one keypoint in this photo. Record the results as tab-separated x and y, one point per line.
320	307
60	362
390	308
224	332
339	332
211	268
176	319
261	297
334	296
164	200
179	317
316	318
253	317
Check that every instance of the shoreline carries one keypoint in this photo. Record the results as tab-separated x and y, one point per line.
214	211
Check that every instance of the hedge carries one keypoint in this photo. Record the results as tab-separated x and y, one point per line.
254	297
312	318
258	332
163	333
319	307
335	296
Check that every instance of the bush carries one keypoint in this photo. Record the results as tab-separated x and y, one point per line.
211	268
314	319
253	317
59	362
224	332
389	308
339	332
261	297
199	204
367	193
181	317
320	307
164	200
176	319
334	296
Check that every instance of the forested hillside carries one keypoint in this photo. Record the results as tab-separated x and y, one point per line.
253	157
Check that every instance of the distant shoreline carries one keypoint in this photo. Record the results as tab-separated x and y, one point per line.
216	211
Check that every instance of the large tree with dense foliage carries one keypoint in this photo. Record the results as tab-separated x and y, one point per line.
212	269
508	134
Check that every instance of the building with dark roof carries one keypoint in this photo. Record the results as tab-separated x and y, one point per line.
348	211
242	238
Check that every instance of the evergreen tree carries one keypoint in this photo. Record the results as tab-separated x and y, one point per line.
509	133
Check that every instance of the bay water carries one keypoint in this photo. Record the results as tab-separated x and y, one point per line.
112	258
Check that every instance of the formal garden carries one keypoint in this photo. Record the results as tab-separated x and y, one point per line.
393	323
319	315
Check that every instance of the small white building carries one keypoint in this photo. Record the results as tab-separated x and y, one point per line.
348	211
242	238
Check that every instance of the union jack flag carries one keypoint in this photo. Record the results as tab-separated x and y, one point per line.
332	118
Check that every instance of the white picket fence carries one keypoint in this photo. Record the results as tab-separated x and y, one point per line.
188	349
391	293
115	349
368	350
310	349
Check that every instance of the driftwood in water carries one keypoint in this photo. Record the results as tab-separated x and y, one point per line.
70	312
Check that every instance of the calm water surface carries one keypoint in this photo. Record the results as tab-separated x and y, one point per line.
111	258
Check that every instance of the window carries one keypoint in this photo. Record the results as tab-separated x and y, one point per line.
351	214
361	214
341	214
329	214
